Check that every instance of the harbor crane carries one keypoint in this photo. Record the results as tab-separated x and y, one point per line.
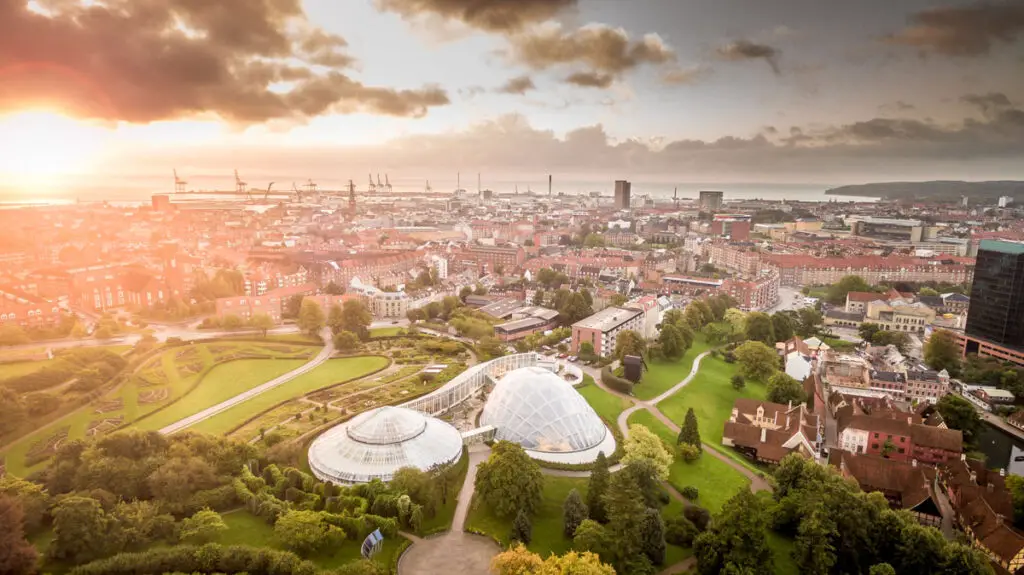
267	194
373	186
428	189
179	184
311	187
387	183
240	186
380	186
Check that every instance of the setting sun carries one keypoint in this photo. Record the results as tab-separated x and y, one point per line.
42	145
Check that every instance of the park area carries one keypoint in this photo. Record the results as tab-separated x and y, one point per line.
171	384
661	375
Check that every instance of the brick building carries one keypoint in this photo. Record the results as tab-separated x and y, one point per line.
18	307
602	328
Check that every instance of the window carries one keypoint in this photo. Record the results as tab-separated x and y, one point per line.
874	446
876	436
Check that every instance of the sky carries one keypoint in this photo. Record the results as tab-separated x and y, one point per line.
798	91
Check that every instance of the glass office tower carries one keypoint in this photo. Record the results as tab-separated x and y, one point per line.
997	294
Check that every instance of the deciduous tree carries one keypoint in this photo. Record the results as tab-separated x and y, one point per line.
202	527
837	292
346	341
629	342
782	324
262	322
759	327
784	389
943	352
643	445
737	540
82	531
305	532
959	413
17	555
671	342
509	480
311	317
757	360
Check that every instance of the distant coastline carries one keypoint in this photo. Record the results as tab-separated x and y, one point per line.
945	190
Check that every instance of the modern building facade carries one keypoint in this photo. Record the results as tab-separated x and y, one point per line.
622	194
602	328
711	201
997	297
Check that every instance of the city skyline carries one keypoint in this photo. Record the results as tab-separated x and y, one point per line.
797	92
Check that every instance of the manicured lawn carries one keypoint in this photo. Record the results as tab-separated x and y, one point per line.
386	331
446	513
715	480
330	372
18	369
782	547
711	396
662	375
221	383
607	405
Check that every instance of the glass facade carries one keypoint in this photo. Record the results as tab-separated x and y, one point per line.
997	295
542	412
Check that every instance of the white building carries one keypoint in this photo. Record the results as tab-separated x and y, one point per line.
440	266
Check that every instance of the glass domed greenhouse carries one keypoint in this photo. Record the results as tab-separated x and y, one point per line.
539	410
375	444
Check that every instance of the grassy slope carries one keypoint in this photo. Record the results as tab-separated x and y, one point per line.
662	375
330	372
221	383
715	480
607	405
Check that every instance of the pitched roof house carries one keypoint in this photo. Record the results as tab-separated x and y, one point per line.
907	486
767	432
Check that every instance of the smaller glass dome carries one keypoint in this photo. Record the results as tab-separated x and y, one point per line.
387	425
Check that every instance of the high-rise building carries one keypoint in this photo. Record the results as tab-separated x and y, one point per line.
995	320
622	190
711	201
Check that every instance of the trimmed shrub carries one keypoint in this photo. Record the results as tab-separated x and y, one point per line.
615	382
211	558
690	492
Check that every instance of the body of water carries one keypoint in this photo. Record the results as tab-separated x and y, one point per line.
996	444
140	189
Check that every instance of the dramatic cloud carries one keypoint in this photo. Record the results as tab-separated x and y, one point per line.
502	16
964	31
602	48
590	79
746	50
518	85
142	61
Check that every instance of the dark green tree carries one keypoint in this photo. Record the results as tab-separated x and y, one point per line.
522	528
311	317
882	569
652	536
624	502
837	292
82	531
671	342
738	383
629	342
782	324
597	488
784	389
959	414
356	318
867	330
759	327
737	540
690	433
574	512
17	555
943	352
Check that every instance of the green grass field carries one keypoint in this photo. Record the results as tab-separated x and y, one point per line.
662	375
222	383
607	405
18	369
386	331
330	372
715	480
168	375
711	396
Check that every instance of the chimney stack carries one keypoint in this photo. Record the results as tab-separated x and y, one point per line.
549	184
913	463
910	420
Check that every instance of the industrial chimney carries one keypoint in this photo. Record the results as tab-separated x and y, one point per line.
549	185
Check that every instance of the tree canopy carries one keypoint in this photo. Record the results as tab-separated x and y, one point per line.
509	480
942	351
757	360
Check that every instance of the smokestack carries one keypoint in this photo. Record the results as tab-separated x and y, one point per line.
549	184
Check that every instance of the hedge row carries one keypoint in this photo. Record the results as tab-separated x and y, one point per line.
615	382
211	558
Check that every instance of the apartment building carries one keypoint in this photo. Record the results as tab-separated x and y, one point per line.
602	328
757	294
798	270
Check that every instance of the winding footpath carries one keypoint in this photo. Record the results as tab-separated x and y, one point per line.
209	412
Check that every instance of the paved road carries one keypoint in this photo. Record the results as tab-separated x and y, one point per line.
454	552
209	412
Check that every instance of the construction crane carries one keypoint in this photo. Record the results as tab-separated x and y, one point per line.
240	186
373	187
387	183
379	185
179	184
267	194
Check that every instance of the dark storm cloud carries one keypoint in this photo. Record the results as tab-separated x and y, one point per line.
148	60
504	16
747	50
590	79
988	103
518	85
963	31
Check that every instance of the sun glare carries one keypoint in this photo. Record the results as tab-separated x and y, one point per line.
42	146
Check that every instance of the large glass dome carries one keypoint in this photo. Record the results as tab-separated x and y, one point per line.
375	444
542	412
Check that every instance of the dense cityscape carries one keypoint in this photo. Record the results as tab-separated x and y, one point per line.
511	287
